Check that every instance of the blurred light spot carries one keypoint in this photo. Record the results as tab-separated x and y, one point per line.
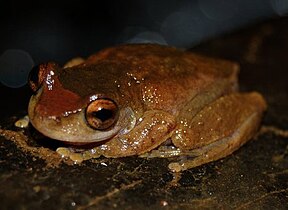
129	32
148	37
219	10
280	7
183	28
15	66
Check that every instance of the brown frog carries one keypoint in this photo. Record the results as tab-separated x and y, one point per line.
147	100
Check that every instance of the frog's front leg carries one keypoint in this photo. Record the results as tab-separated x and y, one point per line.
151	130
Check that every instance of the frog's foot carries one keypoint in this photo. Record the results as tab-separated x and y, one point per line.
169	152
78	156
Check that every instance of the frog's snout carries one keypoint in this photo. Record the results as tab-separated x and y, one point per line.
101	120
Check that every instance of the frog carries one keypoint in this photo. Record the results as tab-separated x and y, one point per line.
148	101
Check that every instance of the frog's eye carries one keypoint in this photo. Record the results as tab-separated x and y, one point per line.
39	73
101	113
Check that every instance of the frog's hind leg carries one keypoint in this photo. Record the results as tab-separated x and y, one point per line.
219	128
216	131
214	151
218	149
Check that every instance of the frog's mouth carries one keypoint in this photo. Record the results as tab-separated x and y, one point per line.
74	129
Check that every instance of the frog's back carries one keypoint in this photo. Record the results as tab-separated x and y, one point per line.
163	61
167	76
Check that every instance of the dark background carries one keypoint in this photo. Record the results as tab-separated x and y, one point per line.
60	30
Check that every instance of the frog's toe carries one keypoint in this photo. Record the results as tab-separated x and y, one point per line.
77	157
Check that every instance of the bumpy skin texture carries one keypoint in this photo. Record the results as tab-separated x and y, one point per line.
161	92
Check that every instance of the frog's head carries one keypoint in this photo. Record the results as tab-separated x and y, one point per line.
62	114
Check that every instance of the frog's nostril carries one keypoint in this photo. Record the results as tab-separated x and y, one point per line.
102	113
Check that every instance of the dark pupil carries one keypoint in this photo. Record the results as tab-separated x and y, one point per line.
103	114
